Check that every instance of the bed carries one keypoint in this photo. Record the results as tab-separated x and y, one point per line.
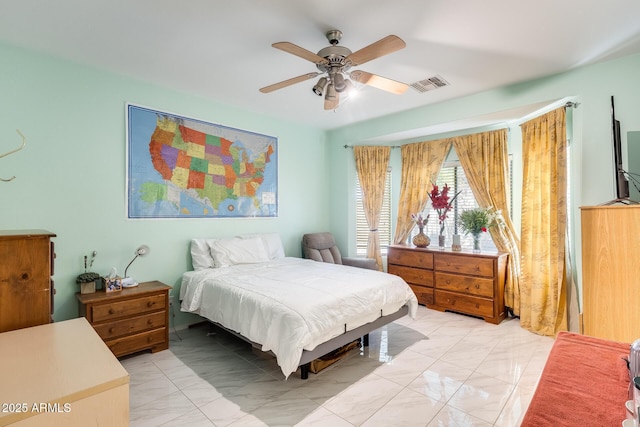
298	309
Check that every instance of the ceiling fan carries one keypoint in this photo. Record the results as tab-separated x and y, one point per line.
334	62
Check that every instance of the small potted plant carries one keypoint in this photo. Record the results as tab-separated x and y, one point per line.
476	221
88	279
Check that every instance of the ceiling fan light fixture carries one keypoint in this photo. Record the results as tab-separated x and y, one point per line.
331	93
338	82
318	89
349	87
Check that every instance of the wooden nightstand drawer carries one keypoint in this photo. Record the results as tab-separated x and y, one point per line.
155	340
126	308
130	326
464	304
465	284
413	275
410	258
476	266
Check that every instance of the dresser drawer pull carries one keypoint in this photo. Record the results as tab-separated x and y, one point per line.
150	304
111	311
110	330
149	339
149	322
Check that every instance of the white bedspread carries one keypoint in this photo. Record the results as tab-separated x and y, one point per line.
291	304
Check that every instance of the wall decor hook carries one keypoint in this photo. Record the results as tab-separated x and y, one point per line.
24	142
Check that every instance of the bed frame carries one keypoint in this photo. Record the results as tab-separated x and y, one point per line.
335	343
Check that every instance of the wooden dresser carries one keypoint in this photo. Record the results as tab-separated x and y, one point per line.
611	272
130	320
26	288
462	282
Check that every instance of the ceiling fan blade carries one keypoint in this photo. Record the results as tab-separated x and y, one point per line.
379	82
332	103
300	51
288	82
375	50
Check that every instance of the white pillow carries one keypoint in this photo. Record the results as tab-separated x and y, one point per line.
232	251
200	254
272	243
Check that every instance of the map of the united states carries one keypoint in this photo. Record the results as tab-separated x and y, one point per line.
204	173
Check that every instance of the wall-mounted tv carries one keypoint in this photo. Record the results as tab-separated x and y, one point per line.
622	184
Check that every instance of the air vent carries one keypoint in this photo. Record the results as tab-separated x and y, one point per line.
434	82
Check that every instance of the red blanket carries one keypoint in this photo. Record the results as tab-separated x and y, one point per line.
585	382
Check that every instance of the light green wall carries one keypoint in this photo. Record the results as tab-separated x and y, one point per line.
70	178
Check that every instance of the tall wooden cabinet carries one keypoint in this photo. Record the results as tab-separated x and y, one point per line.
611	272
26	288
462	282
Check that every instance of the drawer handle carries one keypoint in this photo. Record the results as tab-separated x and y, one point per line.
150	304
477	286
477	305
110	330
149	339
149	322
477	268
111	311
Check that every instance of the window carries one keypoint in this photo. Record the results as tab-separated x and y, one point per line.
384	228
453	175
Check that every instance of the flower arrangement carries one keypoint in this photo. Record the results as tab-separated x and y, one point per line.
478	220
441	203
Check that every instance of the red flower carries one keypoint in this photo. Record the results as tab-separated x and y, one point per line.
484	229
440	202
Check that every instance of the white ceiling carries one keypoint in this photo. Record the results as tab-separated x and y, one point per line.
222	49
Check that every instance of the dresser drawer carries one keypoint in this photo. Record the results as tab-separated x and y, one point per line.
474	306
131	325
154	340
465	284
476	266
410	258
423	294
129	307
412	275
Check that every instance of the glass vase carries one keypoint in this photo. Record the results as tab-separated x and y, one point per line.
476	243
421	240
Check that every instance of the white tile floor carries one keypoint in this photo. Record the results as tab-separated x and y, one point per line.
441	369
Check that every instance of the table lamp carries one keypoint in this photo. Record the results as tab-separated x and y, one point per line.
127	281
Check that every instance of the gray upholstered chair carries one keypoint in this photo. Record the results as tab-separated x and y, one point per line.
322	247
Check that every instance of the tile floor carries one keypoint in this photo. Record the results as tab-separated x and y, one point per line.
440	369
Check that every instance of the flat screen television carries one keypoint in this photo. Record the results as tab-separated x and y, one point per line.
622	184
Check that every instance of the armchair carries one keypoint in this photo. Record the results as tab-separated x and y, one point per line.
322	247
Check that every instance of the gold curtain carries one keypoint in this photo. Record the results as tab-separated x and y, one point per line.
485	160
421	163
544	222
371	165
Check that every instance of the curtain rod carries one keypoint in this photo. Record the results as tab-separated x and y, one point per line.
392	146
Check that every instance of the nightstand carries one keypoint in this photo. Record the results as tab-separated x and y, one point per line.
130	320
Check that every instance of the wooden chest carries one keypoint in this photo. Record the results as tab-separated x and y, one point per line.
130	320
462	282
